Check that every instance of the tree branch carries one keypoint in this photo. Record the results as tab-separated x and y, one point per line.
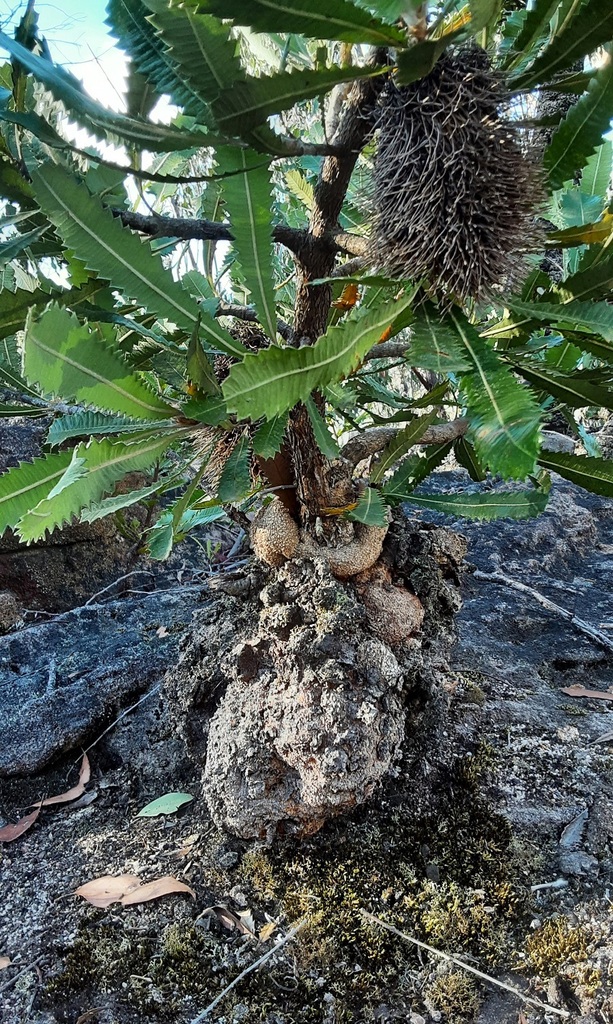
158	226
375	440
249	314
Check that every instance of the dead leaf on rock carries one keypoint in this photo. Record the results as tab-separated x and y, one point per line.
5	961
153	890
107	889
581	691
89	1014
74	792
11	832
161	632
242	922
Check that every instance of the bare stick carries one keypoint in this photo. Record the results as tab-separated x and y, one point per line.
580	624
374	440
24	970
466	967
252	967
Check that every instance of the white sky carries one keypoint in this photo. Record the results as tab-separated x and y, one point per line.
78	39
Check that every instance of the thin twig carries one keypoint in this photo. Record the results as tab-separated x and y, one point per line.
24	970
141	700
580	624
252	967
120	579
466	967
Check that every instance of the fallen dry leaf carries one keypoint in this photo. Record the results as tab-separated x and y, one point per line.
128	889
5	961
107	889
242	922
89	1014
11	832
161	632
580	691
267	931
74	792
153	890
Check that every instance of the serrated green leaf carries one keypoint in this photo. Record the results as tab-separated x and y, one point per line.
535	25
22	487
167	804
591	317
95	118
581	35
467	458
412	472
113	251
128	21
320	19
14	247
596	175
248	201
205	54
235	480
594	279
72	360
14	306
483	14
595	475
118	502
212	410
268	438
570	389
94	470
371	509
325	442
275	379
504	416
21	410
580	133
401	444
82	424
248	104
300	187
199	368
435	344
502	505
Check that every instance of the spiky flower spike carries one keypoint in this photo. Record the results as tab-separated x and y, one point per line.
455	196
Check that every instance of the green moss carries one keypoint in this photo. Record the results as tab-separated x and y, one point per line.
457	995
555	945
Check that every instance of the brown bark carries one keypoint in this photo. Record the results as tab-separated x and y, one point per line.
315	482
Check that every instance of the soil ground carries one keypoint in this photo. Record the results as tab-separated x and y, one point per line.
497	848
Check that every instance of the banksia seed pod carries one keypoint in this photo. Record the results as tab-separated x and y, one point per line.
455	196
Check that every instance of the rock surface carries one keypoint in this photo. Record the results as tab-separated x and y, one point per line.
63	679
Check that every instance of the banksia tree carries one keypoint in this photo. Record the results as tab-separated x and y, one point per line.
359	188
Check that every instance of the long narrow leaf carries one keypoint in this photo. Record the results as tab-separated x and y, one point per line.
98	466
320	19
22	487
501	505
595	475
248	104
93	116
580	133
248	198
591	27
71	360
504	415
571	390
235	480
113	251
401	444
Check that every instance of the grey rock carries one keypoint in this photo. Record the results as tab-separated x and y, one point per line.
62	679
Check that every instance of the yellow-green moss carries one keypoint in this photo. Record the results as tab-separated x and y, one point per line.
555	945
457	995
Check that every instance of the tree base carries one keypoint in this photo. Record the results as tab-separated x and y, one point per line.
316	681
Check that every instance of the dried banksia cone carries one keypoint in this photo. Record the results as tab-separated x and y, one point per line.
455	195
